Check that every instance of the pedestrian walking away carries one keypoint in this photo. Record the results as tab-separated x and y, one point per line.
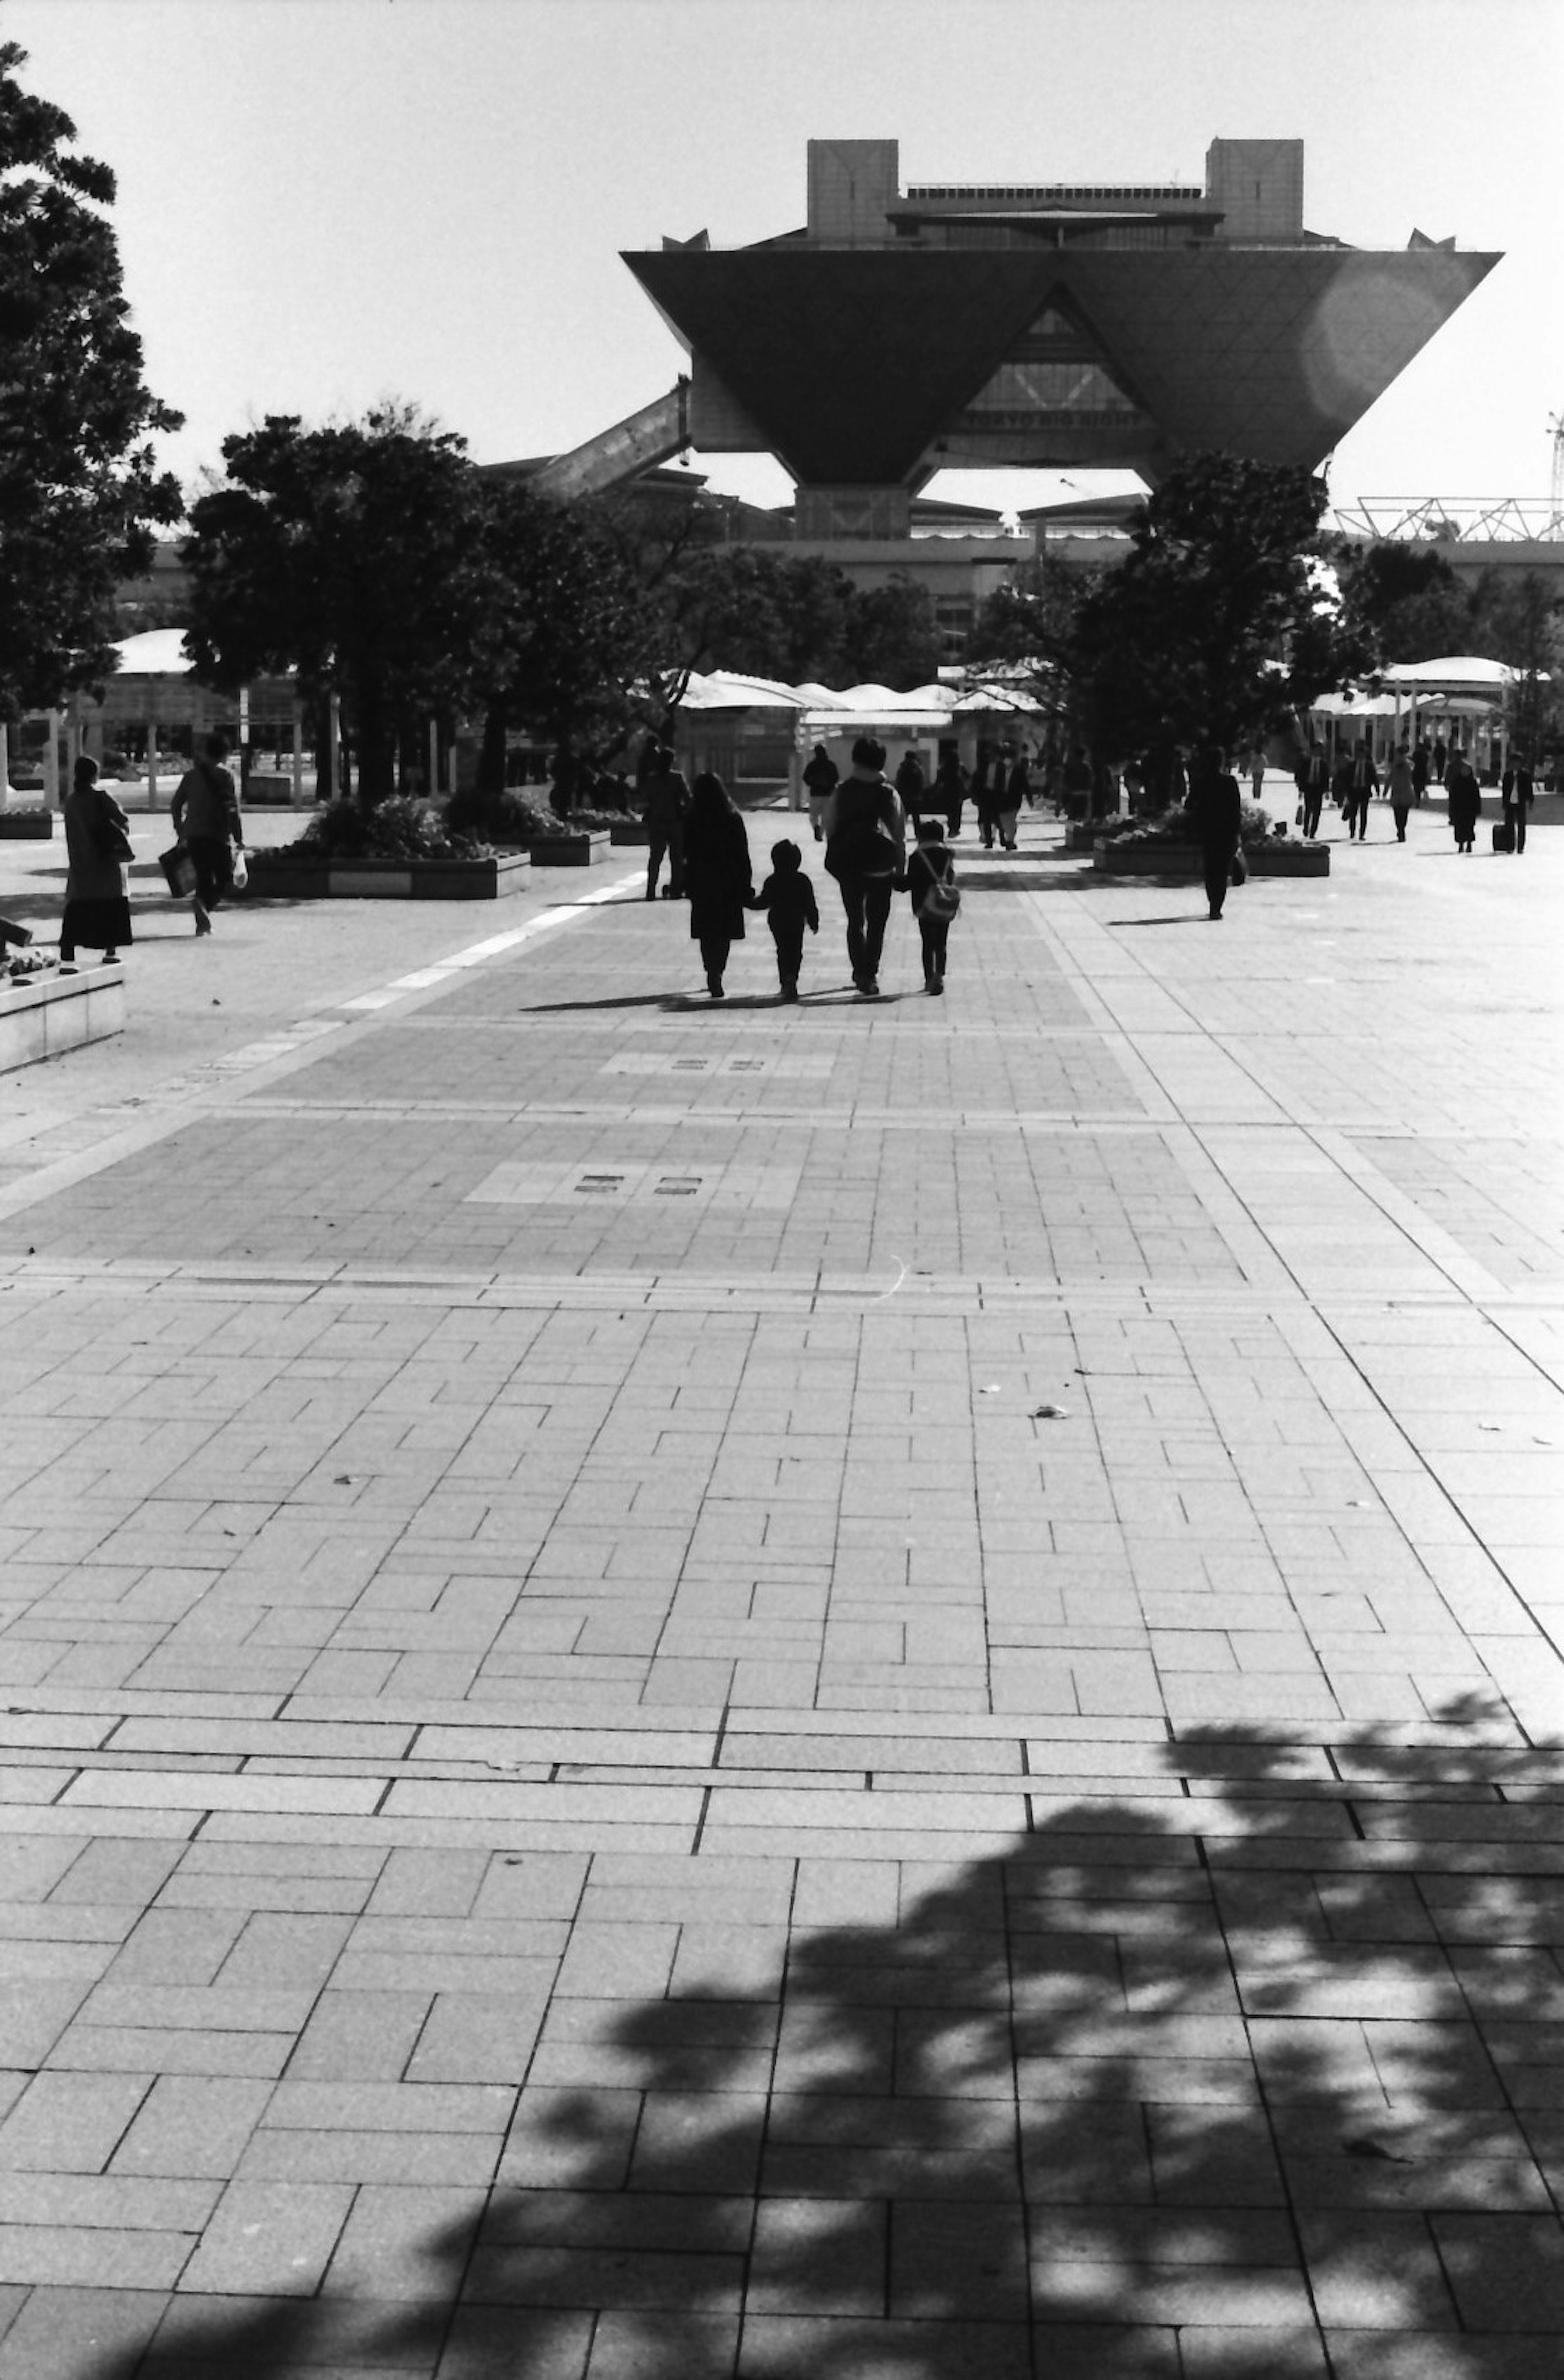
985	799
822	775
1441	760
1517	788
1216	812
97	912
1464	798
865	851
1419	769
205	816
950	793
1361	777
1012	788
788	899
1403	792
936	899
666	799
911	784
717	874
1311	778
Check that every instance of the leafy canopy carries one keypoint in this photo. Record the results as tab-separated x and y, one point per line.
78	485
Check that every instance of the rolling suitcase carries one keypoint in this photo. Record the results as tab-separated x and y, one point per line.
1504	835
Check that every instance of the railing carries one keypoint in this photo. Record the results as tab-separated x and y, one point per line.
1454	520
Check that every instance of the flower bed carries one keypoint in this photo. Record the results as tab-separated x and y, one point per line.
43	1015
569	850
26	826
1273	858
292	874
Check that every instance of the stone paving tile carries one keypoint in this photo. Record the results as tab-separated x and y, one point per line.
612	1734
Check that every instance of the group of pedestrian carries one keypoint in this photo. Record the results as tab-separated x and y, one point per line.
1409	772
863	829
208	827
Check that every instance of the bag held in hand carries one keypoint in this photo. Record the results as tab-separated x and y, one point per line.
178	869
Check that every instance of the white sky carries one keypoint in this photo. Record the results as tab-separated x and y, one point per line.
323	202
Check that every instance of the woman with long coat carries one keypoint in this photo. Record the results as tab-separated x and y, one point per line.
1215	808
718	882
1463	799
97	848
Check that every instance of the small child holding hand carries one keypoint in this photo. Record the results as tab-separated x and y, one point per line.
788	898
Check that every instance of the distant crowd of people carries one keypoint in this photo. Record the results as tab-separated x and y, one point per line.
1354	778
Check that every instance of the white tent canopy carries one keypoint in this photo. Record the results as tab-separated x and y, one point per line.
728	690
1454	673
1355	706
156	653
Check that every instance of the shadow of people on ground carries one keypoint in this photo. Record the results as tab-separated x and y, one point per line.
1238	2067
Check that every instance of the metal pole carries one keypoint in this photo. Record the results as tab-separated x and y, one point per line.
434	778
5	766
152	764
297	758
51	761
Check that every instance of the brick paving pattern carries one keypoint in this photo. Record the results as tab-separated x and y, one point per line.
868	1691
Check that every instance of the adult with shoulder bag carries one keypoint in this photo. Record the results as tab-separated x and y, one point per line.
865	851
205	815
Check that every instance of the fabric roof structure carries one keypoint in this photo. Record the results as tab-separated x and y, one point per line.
730	691
156	653
1454	673
1355	706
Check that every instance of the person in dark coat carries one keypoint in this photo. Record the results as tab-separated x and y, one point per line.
1463	799
950	793
1419	769
97	850
911	784
1517	788
1078	784
821	776
788	898
1441	760
1361	778
865	851
1215	813
989	766
665	802
1402	789
205	816
717	874
1311	777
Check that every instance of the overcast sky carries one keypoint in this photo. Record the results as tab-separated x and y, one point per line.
323	202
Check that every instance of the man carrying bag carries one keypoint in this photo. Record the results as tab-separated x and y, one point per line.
205	815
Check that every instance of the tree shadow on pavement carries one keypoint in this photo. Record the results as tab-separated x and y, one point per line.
1243	2067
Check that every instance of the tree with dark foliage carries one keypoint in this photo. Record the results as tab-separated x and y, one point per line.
349	553
79	485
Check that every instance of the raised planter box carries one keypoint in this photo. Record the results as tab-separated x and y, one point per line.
42	1016
269	792
1184	859
281	876
26	826
633	836
571	850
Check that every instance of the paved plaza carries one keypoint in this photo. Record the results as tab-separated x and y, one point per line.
862	1691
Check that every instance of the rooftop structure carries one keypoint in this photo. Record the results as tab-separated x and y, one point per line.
1041	324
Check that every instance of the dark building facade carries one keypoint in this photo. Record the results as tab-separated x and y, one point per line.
1115	327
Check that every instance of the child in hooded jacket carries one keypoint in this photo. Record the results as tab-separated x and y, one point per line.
932	880
788	898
